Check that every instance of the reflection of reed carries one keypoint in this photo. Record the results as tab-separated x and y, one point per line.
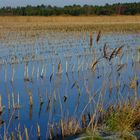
40	110
91	40
18	114
66	66
19	133
26	76
30	98
42	72
5	72
30	112
38	70
13	100
54	101
48	106
41	101
1	106
48	100
13	73
9	114
77	105
32	73
40	96
59	68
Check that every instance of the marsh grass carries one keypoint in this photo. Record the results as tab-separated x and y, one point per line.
124	119
31	27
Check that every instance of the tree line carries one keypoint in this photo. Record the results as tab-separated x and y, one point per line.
74	10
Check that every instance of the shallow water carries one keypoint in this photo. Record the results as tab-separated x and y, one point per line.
69	93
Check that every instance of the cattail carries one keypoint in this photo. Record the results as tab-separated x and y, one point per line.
119	51
112	54
94	65
98	37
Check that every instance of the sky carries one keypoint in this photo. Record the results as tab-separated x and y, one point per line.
15	3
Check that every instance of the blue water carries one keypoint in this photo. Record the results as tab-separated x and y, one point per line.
78	85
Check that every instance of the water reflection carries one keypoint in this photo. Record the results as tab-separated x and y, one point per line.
63	76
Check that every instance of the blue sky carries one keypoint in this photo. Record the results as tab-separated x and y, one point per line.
59	2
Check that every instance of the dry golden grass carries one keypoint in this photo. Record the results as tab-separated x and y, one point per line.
29	28
106	23
92	19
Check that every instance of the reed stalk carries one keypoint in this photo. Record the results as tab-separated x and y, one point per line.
26	133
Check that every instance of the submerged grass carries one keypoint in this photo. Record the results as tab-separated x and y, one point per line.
124	119
119	123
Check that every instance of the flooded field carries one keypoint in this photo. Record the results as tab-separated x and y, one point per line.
57	83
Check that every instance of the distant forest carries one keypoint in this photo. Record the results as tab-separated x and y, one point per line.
74	10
